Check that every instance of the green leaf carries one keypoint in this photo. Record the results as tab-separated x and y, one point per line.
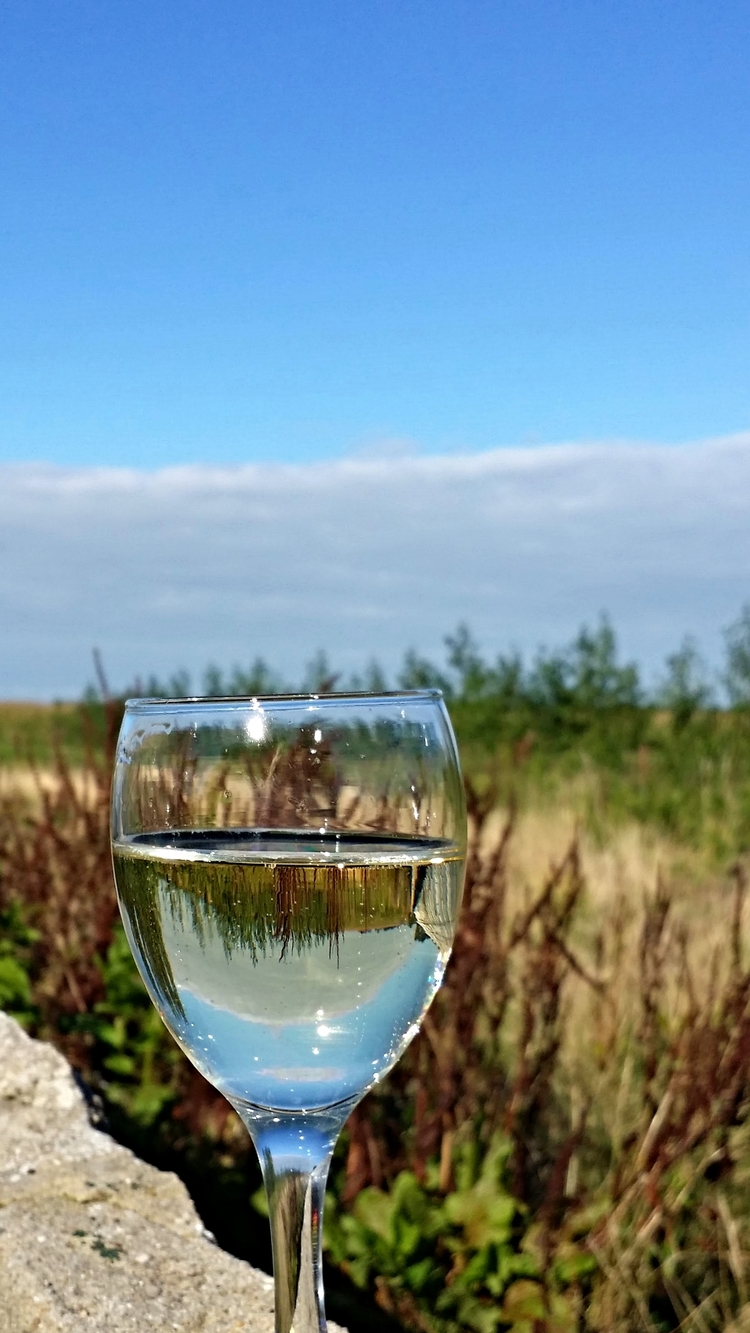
375	1210
571	1268
120	1064
524	1302
407	1236
485	1215
15	987
421	1275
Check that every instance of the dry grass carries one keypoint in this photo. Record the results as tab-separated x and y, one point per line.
596	1013
27	786
621	873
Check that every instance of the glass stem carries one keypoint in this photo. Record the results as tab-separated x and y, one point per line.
295	1150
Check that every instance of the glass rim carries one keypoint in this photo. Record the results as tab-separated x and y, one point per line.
153	703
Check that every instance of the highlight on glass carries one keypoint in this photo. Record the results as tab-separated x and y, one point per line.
289	872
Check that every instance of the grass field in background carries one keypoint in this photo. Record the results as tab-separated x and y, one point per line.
36	732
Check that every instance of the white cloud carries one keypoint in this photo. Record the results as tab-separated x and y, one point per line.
366	556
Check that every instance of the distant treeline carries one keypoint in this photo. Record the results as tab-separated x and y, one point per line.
586	674
577	726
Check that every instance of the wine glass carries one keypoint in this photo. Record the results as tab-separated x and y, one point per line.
289	872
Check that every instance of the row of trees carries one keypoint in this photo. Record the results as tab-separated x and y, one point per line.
587	674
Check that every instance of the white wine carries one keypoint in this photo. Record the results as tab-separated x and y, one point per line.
292	968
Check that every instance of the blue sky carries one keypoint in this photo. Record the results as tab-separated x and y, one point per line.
249	231
335	322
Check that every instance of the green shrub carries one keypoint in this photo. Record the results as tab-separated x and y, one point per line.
465	1259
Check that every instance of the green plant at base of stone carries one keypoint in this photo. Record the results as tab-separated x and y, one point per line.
16	942
140	1062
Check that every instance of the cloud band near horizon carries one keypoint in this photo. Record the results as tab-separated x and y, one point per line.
366	557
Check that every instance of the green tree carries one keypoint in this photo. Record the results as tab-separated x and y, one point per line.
587	674
686	687
737	674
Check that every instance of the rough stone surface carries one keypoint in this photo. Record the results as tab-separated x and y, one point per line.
91	1239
